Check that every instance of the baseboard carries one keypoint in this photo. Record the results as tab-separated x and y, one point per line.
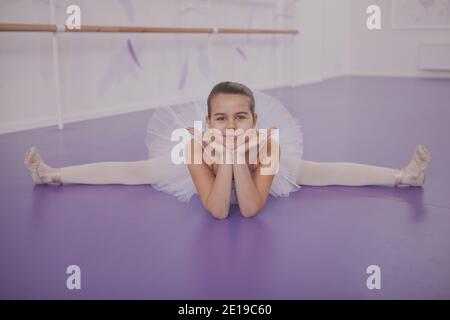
96	113
427	75
27	124
142	106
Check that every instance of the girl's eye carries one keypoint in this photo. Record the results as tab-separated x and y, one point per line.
220	119
241	117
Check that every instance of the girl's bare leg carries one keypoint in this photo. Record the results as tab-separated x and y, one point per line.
130	173
355	174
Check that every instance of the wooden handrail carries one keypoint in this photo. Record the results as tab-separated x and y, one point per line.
117	29
27	27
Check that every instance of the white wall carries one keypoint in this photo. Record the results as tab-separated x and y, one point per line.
98	74
99	78
334	41
323	44
389	51
309	42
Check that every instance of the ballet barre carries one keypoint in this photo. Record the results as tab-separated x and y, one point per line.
62	28
21	27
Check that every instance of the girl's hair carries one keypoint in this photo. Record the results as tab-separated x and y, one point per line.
229	87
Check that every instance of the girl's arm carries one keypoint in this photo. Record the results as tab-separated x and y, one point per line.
215	192
252	192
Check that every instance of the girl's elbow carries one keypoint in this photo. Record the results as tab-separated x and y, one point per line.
218	213
250	212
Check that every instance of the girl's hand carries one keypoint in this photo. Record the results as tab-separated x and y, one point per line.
197	133
222	154
252	143
237	149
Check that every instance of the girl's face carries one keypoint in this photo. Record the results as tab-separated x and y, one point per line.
231	111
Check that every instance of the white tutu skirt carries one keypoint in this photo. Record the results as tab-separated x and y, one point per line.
176	180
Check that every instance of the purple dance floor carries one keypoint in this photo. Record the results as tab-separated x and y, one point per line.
132	242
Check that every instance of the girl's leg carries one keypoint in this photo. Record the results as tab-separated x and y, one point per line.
345	174
355	174
131	173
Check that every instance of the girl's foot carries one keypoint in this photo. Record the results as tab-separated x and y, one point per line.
40	172
414	173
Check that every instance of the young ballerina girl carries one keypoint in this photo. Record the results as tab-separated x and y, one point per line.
230	105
